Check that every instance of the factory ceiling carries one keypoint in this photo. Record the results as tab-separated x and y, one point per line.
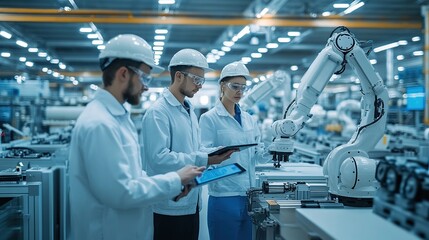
60	39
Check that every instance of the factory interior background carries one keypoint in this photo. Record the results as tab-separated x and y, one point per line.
49	72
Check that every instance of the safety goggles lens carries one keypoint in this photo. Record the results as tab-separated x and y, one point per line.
197	80
145	78
237	87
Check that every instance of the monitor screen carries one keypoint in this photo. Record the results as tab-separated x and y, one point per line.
415	98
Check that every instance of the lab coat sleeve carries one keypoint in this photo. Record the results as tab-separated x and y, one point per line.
157	141
208	132
110	173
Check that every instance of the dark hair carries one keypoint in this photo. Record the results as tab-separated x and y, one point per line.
226	79
109	71
179	68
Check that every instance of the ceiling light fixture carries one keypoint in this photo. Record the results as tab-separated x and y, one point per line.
385	47
92	36
161	31
283	39
166	2
415	39
262	50
159	37
5	34
256	55
32	49
400	57
272	45
353	7
226	49
21	43
85	30
293	34
325	14
341	5
262	13
293	67
5	54
418	53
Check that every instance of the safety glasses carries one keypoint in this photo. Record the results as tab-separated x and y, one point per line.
144	77
237	87
196	79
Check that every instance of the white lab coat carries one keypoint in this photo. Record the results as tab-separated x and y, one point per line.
219	128
171	140
110	195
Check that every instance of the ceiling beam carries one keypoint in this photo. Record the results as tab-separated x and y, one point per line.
80	16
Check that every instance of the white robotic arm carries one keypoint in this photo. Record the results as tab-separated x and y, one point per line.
350	171
279	78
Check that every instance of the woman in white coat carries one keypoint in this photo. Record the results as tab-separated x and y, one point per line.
224	125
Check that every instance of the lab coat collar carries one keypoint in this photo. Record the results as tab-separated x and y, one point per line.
221	110
172	100
111	103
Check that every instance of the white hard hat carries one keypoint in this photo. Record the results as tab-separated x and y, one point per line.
129	46
189	57
235	69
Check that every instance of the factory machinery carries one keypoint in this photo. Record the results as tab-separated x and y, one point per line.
33	187
294	202
403	197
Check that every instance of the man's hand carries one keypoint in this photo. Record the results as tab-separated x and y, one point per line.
187	174
216	159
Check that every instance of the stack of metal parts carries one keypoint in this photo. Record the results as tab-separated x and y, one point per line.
21	169
404	195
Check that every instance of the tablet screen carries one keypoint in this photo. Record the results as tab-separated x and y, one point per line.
219	172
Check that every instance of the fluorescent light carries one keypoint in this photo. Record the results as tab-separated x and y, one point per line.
262	50
161	31
221	53
415	39
157	56
402	42
256	55
214	51
243	32
235	38
92	36
228	43
101	47
226	49
55	61
48	58
217	57
166	2
85	30
325	14
55	74
21	43
159	37
49	71
33	49
283	39
256	80
158	48
400	57
418	53
248	83
62	66
385	47
293	34
5	34
45	69
341	5
373	61
293	67
400	69
353	7
158	43
246	59
158	52
42	54
263	78
272	45
22	59
262	13
5	54
29	64
97	42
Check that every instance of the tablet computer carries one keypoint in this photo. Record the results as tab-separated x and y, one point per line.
218	173
237	147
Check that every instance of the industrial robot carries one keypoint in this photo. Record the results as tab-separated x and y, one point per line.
349	169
